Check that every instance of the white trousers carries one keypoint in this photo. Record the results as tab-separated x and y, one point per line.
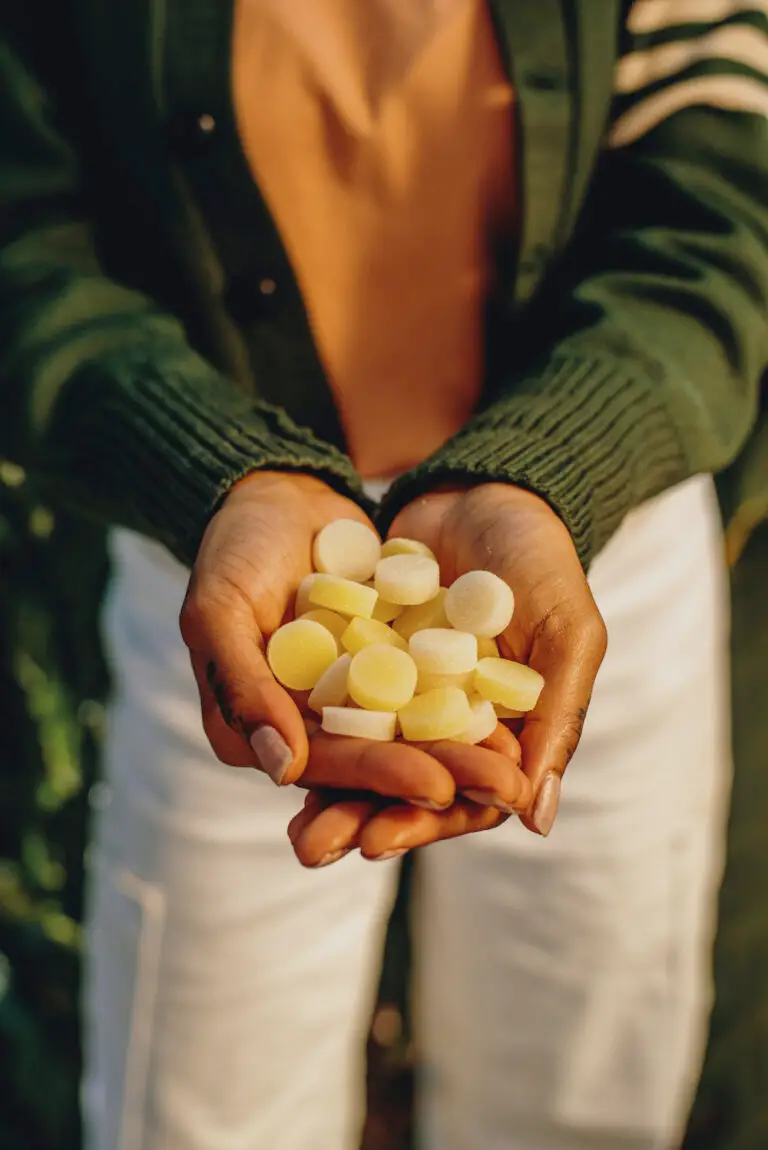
561	986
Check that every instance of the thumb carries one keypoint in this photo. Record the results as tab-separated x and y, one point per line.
249	719
567	650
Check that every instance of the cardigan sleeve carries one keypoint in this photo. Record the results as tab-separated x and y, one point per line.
652	331
102	399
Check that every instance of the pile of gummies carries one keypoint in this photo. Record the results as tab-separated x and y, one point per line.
386	652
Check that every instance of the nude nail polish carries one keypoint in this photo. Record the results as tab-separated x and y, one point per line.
488	799
331	857
390	855
427	805
273	754
547	801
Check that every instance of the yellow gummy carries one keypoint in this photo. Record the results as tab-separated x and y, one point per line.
507	712
405	547
382	678
419	618
441	651
364	632
332	622
487	648
302	604
379	725
300	652
384	611
440	714
481	603
343	595
348	549
407	579
427	682
331	688
512	684
483	723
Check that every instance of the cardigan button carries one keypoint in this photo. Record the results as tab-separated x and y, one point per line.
192	133
545	80
251	298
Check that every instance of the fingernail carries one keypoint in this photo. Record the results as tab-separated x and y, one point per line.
428	804
331	857
488	799
389	855
273	754
547	802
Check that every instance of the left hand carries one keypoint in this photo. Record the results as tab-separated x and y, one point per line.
556	628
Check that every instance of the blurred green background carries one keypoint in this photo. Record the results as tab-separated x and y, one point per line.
52	686
53	683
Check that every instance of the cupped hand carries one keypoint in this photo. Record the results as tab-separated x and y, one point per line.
254	553
331	825
556	628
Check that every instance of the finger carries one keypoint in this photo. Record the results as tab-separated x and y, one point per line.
567	649
484	776
227	656
398	770
314	803
334	832
397	829
503	741
229	746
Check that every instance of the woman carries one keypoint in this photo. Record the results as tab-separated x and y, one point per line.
252	253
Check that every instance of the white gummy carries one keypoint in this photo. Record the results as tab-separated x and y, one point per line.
378	725
348	549
440	651
407	579
481	603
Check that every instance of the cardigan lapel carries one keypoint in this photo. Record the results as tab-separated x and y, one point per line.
534	42
597	28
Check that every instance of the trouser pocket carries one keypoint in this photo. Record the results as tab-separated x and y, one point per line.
124	946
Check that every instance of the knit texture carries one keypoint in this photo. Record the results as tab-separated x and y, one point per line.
648	335
165	446
589	438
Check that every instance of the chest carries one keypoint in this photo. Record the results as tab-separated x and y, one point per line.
159	76
160	87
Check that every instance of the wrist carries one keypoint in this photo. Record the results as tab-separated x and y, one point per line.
504	495
291	484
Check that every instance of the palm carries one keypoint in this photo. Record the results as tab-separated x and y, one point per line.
556	627
252	558
510	532
278	518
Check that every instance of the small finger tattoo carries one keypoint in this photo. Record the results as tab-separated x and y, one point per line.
216	683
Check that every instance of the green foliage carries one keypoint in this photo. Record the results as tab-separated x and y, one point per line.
52	683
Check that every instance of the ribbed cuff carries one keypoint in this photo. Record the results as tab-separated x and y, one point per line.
157	449
586	436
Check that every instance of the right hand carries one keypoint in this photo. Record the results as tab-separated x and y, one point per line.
253	555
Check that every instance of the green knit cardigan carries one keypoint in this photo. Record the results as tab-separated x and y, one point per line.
154	346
